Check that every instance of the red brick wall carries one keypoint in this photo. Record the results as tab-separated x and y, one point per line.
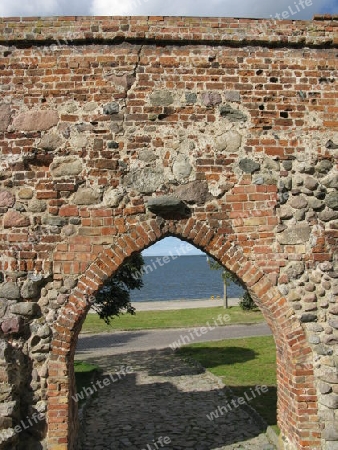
279	80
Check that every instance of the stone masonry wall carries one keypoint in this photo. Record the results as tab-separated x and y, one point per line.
117	132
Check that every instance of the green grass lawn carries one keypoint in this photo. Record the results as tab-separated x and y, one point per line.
145	320
242	364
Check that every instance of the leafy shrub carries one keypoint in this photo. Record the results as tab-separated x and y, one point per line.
247	304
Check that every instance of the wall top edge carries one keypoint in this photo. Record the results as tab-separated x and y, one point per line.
321	31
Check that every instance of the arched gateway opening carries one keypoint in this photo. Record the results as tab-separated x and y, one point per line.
294	358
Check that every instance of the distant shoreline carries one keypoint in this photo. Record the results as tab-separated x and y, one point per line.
182	304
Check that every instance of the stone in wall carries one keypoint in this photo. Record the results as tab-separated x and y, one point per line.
10	291
112	197
12	325
331	200
230	141
161	98
66	166
25	194
195	192
146	181
7	199
167	204
37	206
15	219
111	108
233	115
298	234
191	97
248	165
50	141
211	99
87	196
5	116
36	120
232	96
181	167
331	181
30	309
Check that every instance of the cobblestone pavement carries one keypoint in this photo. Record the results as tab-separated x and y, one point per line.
165	397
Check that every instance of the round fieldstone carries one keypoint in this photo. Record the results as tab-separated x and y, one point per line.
315	203
146	181
86	196
30	289
327	215
37	206
233	115
314	340
12	325
190	97
7	199
111	108
181	167
161	98
194	192
331	181
310	183
287	165
25	194
9	291
285	212
25	309
333	322
50	142
211	99
66	166
230	141
248	165
232	96
298	202
324	388
330	377
324	166
305	318
112	197
331	200
334	310
330	400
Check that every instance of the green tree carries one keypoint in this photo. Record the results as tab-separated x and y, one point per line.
246	302
113	298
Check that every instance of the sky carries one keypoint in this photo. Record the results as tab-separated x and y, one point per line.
171	246
217	8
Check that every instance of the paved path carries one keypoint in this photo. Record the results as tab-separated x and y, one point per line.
183	304
164	403
164	396
126	341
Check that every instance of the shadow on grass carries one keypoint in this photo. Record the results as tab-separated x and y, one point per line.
217	359
212	356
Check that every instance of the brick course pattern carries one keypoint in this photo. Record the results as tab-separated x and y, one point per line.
117	132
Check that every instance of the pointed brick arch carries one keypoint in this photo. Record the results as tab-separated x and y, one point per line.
297	401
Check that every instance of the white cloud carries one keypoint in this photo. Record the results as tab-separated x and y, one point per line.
18	8
220	8
227	8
